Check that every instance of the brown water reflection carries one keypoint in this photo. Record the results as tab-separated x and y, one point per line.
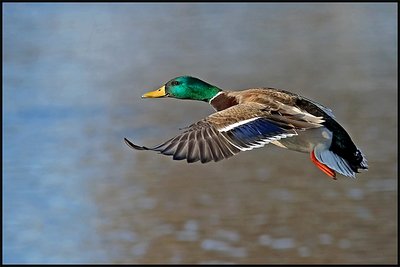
74	192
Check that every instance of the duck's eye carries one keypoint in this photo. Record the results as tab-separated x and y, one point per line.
173	83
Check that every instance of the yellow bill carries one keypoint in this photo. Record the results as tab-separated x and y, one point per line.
160	92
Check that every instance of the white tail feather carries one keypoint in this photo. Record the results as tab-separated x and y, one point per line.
364	162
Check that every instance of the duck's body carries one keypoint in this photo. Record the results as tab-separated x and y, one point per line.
252	118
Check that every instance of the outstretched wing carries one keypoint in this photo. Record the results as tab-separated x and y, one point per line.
199	142
225	133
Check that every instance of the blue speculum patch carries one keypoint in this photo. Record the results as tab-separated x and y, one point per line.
256	130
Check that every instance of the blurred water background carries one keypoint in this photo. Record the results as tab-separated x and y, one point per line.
73	192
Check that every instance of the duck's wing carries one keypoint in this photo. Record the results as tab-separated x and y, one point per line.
225	133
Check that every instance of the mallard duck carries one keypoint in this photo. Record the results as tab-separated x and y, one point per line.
254	117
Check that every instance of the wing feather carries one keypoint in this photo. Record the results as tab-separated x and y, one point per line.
227	132
193	151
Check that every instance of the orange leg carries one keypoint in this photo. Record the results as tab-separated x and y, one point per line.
328	171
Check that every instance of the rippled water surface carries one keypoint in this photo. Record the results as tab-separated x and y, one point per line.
73	192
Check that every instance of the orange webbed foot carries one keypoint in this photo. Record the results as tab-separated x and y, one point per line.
328	171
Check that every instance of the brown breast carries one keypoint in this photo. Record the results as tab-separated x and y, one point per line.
223	101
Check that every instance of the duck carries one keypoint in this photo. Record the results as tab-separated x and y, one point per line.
252	118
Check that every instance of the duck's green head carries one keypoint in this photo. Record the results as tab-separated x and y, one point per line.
185	87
